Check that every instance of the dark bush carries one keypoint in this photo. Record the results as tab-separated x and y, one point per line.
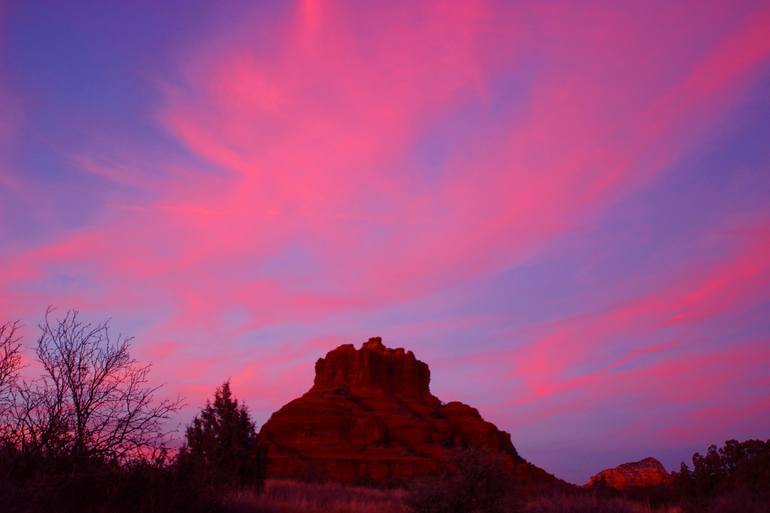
478	482
56	485
584	503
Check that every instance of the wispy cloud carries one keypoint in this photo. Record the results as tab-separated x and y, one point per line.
326	163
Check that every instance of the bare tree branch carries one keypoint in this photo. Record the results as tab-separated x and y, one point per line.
10	363
93	399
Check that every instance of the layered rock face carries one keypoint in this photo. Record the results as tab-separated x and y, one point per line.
370	417
639	474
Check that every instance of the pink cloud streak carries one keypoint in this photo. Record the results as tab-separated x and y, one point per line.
309	152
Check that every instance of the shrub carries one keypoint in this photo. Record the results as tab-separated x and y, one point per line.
478	482
283	496
37	484
589	503
221	446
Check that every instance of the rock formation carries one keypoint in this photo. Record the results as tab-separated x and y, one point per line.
370	417
639	474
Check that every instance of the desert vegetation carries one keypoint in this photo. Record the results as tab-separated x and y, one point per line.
281	496
591	503
298	497
89	432
734	477
477	482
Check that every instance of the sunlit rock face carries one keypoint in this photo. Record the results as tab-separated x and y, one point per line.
639	474
370	417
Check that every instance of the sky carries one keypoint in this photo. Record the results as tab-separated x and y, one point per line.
562	207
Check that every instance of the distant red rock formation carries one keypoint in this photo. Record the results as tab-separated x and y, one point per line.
370	417
639	474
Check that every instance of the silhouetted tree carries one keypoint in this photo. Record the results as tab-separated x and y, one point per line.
93	400
747	464
222	444
735	477
10	357
10	362
683	482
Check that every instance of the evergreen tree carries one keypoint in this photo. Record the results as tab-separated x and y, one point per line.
683	481
222	445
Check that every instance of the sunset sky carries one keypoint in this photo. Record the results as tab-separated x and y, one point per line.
562	207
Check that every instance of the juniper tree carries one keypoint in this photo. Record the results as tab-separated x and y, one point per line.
222	445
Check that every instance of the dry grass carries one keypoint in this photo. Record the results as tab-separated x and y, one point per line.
590	504
294	497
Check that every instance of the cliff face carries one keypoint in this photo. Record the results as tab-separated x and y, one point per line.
370	417
374	370
639	474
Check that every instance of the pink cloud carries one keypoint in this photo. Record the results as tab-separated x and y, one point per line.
306	166
703	292
312	148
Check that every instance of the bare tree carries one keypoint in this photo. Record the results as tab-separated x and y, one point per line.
93	399
35	421
10	362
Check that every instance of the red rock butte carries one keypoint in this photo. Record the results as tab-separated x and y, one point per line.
639	474
370	417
